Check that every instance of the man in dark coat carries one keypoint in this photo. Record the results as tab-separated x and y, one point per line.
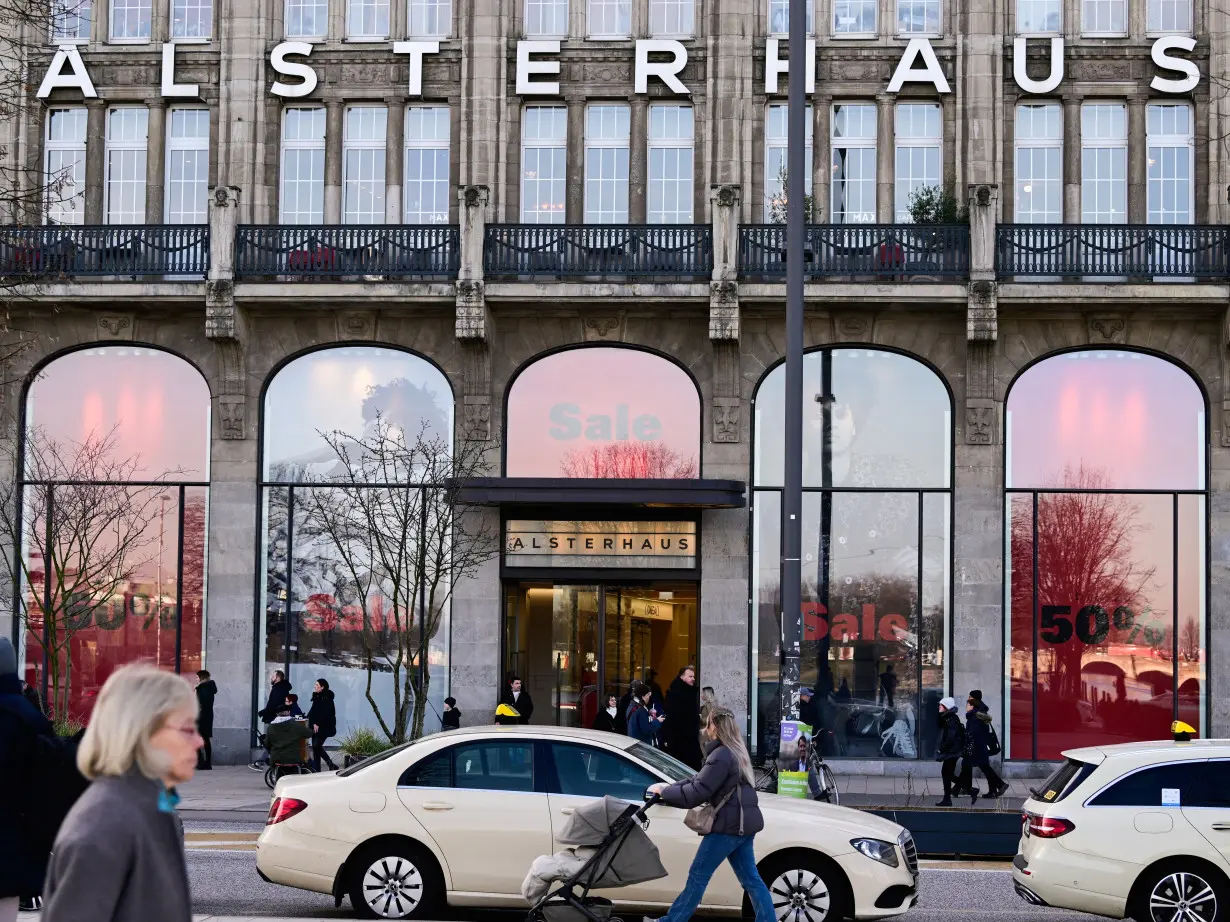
278	690
206	691
949	747
518	699
682	727
977	750
322	718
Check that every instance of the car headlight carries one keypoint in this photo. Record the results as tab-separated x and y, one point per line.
877	850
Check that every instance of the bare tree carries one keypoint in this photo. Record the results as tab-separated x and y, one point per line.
777	201
629	459
80	534
394	542
1189	640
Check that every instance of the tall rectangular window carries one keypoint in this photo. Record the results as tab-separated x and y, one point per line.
779	17
854	164
918	157
187	166
303	166
1039	164
1104	140
130	20
776	137
918	17
426	186
606	164
1104	17
670	164
363	151
64	166
1037	17
431	18
1170	143
1170	16
367	19
672	18
307	18
544	164
70	20
192	18
546	18
609	18
854	17
127	137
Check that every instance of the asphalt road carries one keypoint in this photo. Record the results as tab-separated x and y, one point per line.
225	883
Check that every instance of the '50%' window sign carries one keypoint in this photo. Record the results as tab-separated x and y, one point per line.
628	545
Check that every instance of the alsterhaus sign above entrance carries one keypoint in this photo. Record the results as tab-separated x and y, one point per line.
661	59
637	545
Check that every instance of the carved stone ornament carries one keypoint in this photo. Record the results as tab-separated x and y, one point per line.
727	195
723	294
115	326
852	326
982	291
727	415
225	196
606	327
980	423
474	196
476	417
470	293
356	325
1107	328
231	416
472	315
982	196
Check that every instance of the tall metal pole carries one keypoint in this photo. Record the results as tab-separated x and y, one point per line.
792	496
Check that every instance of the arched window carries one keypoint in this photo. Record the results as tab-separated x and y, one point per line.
357	441
877	510
114	490
1105	568
603	411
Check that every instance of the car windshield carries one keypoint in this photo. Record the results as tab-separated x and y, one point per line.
372	760
671	768
1065	779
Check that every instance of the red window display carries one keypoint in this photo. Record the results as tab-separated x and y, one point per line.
115	459
1106	564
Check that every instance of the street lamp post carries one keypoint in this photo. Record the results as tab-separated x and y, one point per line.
792	495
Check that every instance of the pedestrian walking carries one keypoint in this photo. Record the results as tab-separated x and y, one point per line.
519	700
979	741
451	718
119	855
682	727
609	719
726	783
206	691
949	746
642	719
322	718
279	688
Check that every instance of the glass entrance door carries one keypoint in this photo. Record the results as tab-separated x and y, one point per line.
573	645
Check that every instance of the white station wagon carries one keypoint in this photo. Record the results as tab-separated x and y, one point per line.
458	817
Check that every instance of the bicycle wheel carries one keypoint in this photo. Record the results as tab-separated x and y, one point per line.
271	777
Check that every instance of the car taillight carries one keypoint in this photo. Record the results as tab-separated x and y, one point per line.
1048	827
283	808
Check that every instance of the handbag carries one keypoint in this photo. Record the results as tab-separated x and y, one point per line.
993	748
700	819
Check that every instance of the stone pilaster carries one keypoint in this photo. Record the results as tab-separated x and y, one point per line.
725	201
473	318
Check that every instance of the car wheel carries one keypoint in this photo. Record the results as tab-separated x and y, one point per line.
393	880
805	888
1182	894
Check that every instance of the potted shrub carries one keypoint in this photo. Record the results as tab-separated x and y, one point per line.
362	743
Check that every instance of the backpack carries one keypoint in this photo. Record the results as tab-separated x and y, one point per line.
993	747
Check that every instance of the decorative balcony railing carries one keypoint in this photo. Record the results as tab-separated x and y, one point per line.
883	251
683	251
63	251
1112	251
393	251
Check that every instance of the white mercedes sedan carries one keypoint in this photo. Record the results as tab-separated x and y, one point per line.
457	818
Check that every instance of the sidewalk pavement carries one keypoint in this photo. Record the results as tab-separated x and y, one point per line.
227	789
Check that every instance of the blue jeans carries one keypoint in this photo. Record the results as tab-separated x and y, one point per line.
714	849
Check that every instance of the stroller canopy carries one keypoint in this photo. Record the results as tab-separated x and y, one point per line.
631	858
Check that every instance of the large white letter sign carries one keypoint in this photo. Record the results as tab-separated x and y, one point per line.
663	70
930	72
416	50
775	67
169	86
1021	75
289	69
527	68
1183	66
77	80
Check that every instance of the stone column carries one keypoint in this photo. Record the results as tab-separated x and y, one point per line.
885	145
1138	161
1071	160
160	21
95	160
473	319
100	27
574	202
638	160
725	205
822	174
394	159
399	27
155	162
335	127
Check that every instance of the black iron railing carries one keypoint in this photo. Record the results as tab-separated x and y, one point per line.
599	250
888	251
61	251
348	251
1112	250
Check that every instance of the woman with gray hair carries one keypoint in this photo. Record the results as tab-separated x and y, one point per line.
119	857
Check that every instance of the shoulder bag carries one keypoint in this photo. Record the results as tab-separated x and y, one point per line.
700	819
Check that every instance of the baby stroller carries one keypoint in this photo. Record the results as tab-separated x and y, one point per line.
609	849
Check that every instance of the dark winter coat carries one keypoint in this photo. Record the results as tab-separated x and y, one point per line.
809	713
716	777
323	713
275	702
682	729
205	694
640	725
118	858
284	737
617	724
450	719
950	743
524	705
978	735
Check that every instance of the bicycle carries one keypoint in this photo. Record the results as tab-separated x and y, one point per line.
826	781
